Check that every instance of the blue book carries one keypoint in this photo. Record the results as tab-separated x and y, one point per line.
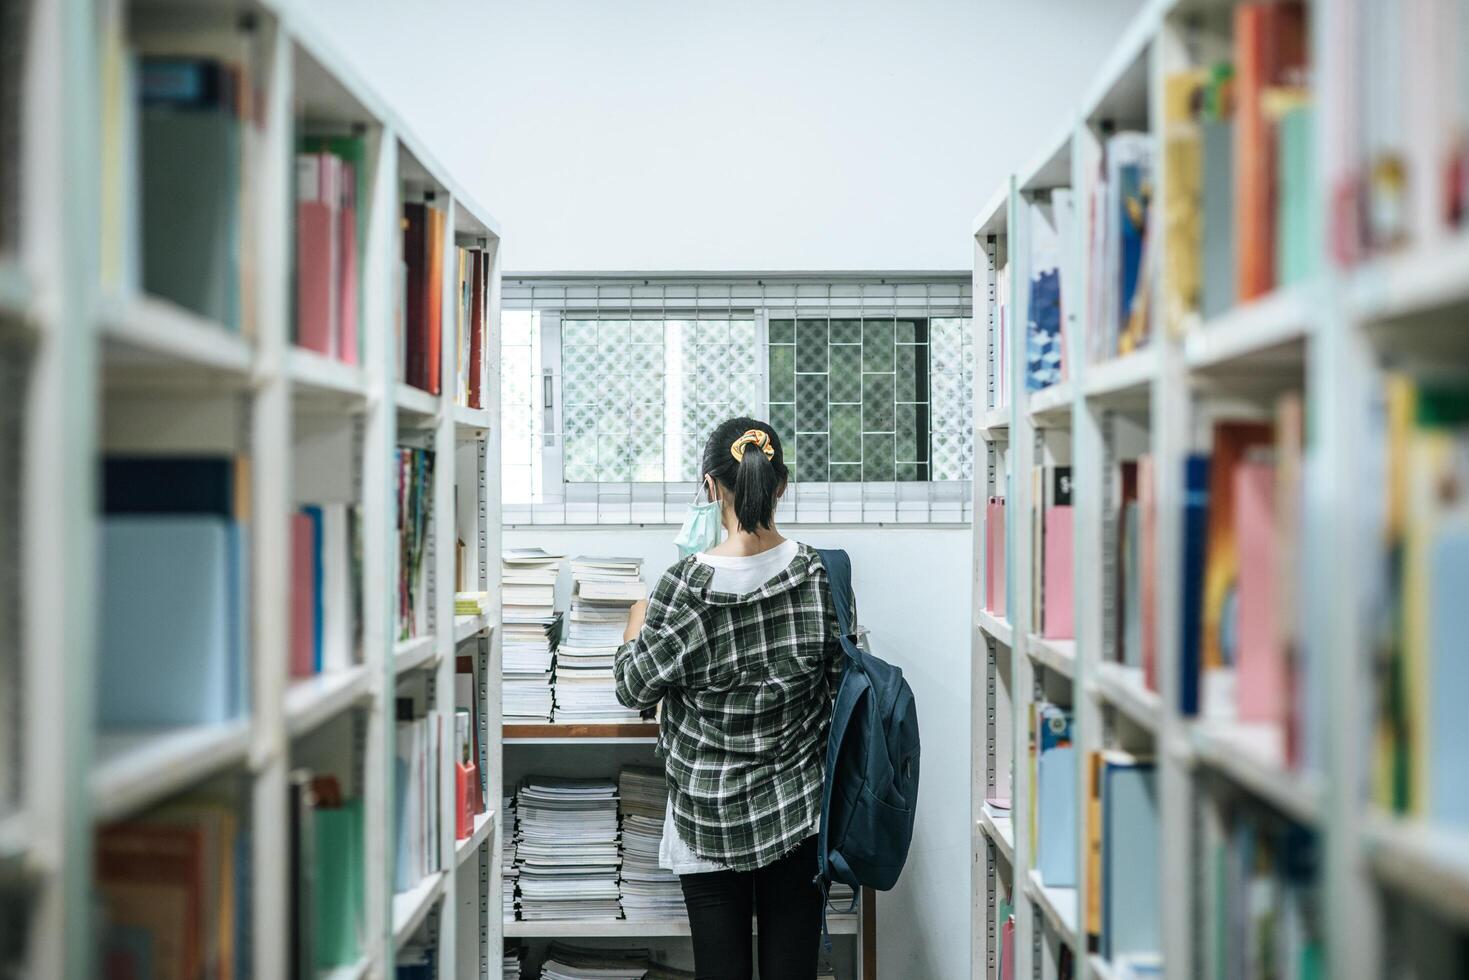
1195	546
1056	818
1054	724
313	512
167	644
1130	869
1448	625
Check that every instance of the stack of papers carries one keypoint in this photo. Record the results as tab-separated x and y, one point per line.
471	603
509	872
531	628
528	652
566	849
648	891
573	963
603	590
512	963
528	583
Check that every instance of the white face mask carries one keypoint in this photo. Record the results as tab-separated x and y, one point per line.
700	530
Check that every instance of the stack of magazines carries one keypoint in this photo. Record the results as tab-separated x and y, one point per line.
566	848
531	628
576	963
510	873
648	891
512	962
603	591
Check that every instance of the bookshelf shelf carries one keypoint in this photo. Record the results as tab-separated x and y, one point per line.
1267	333
996	419
354	971
1056	655
1122	378
840	925
144	332
315	700
410	908
415	406
137	768
1101	969
1058	905
415	654
320	378
1244	754
471	423
484	826
559	734
1052	406
1123	688
995	626
467	627
1000	831
114	370
1426	284
1429	864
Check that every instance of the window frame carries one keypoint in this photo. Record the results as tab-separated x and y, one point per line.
925	502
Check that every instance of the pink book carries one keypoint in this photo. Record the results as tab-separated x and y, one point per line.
1260	673
303	596
1007	949
1147	508
1057	583
347	265
315	252
991	559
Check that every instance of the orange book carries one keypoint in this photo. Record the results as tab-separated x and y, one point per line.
1270	48
434	296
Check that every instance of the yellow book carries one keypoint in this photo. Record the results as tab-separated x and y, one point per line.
1183	207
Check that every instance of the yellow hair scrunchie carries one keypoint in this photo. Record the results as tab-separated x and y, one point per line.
754	437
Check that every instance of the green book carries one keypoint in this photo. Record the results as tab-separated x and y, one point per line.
340	888
1295	259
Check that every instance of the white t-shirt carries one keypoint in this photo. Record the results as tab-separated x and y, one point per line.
739	575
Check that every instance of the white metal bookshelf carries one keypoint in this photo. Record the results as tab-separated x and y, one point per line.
104	368
1326	337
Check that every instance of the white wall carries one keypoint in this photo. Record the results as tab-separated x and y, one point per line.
912	593
664	135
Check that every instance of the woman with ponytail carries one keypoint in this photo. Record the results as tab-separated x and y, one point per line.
738	644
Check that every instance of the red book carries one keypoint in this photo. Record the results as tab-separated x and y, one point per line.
434	302
415	236
1058	621
477	329
347	266
303	596
1270	47
316	250
1261	680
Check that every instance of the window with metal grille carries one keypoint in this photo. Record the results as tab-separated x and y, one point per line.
612	387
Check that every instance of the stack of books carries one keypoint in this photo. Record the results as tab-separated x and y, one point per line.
648	891
166	884
566	853
532	629
416	789
326	593
603	591
415	480
471	321
514	960
471	603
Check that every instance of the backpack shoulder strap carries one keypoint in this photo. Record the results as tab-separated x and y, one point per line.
839	575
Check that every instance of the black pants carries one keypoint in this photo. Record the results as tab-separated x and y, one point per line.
784	900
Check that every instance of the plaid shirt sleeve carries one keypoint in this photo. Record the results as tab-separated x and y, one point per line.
665	653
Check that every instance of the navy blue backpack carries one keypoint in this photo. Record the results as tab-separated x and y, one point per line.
871	791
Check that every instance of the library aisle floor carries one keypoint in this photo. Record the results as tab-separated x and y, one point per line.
320	524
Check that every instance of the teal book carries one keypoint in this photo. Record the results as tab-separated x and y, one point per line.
1218	292
1130	868
1295	259
340	886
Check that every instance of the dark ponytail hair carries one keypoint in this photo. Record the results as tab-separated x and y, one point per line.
756	480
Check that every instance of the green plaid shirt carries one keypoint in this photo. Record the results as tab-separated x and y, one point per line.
746	684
